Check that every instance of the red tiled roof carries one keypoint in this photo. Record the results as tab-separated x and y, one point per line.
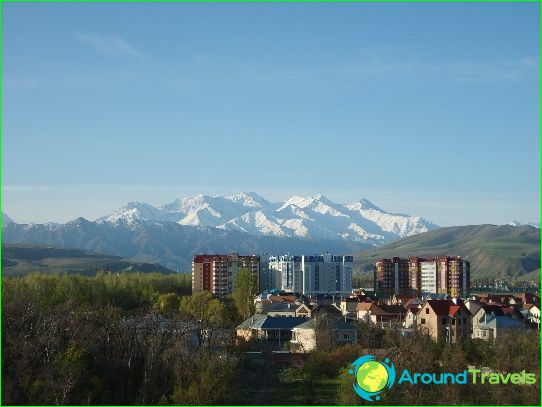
282	298
453	310
440	307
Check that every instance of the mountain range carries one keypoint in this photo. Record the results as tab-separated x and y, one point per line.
246	222
314	217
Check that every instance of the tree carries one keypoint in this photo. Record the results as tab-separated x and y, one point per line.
208	313
167	303
245	290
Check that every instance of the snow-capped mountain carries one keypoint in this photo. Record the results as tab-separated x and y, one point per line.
314	217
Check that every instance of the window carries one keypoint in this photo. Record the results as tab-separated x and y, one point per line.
453	322
427	310
423	321
485	334
346	336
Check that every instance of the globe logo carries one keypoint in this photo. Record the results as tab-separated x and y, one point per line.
372	377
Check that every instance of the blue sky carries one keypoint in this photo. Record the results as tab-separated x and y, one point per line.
426	109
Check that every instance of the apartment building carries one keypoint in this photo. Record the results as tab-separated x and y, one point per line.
312	275
217	272
417	275
391	276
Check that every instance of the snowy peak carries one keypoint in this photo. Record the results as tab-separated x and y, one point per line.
364	204
133	211
314	217
249	199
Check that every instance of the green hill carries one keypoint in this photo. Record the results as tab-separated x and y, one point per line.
20	259
494	251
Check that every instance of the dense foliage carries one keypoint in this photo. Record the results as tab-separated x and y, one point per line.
113	339
143	339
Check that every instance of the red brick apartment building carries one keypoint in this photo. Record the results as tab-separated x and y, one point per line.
417	275
217	272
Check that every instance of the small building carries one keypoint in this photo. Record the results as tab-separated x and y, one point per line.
492	327
276	330
304	310
381	314
532	313
348	306
280	309
304	335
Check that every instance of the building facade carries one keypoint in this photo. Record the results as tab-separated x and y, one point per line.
217	273
311	275
417	275
391	276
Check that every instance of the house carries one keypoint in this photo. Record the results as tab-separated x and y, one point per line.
414	303
304	310
280	309
348	306
363	311
381	314
275	330
529	298
411	317
473	305
398	299
532	313
332	309
498	310
491	326
304	335
444	320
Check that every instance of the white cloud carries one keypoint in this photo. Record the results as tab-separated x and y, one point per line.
111	45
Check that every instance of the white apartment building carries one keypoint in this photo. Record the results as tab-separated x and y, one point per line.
323	274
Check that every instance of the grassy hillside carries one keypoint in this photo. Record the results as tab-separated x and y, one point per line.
20	259
494	251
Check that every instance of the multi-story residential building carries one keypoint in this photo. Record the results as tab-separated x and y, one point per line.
311	275
270	277
286	271
442	275
217	272
392	276
418	275
327	274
